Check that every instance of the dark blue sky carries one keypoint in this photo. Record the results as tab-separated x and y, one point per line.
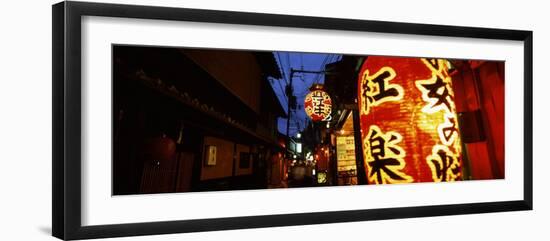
301	83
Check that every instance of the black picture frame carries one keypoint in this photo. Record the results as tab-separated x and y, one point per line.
66	47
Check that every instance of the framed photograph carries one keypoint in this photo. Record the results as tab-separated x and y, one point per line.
162	114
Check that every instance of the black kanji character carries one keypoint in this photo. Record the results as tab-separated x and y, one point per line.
376	88
439	91
385	158
445	166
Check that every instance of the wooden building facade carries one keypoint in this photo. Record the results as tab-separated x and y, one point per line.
192	120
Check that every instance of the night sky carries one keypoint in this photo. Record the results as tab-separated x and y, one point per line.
301	83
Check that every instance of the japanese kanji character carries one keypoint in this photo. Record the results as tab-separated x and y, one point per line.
319	104
444	164
437	92
377	89
384	158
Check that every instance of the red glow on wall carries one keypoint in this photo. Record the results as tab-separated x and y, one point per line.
480	93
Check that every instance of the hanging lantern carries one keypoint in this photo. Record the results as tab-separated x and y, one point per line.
318	104
408	120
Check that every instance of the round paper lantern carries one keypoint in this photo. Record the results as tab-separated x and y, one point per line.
408	120
318	104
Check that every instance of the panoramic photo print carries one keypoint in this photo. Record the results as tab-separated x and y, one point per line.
192	119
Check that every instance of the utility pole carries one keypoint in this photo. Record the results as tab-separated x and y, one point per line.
290	95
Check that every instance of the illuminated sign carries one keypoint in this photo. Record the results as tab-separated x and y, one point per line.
345	152
318	105
322	177
211	155
408	120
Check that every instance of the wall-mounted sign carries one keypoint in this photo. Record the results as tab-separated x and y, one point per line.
318	104
210	157
322	177
345	152
409	125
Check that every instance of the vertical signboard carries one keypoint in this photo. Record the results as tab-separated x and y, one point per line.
345	150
